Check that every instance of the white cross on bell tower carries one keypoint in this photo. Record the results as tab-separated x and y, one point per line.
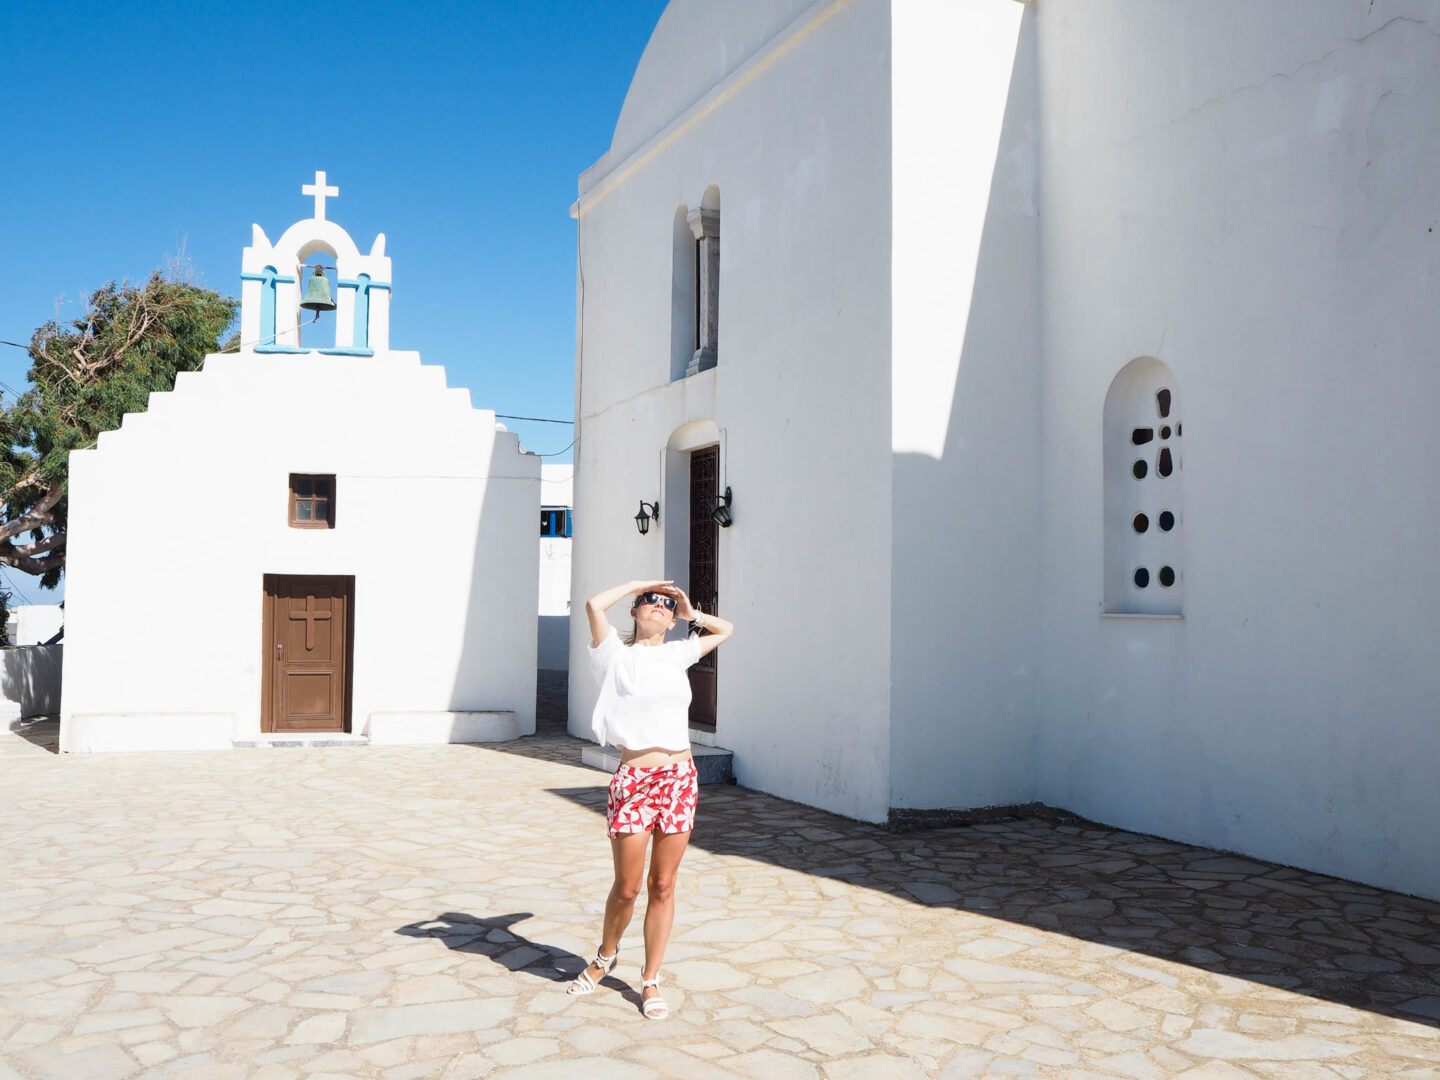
320	191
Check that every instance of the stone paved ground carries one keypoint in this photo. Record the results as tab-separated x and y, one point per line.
414	912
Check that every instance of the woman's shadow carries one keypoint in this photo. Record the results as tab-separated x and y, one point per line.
496	940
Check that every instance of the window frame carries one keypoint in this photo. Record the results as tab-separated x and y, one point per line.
566	521
328	501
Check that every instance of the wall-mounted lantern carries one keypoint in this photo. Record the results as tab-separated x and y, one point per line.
720	510
647	511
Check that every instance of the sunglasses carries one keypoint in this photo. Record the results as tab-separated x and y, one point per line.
667	602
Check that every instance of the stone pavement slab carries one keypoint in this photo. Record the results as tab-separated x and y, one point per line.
404	912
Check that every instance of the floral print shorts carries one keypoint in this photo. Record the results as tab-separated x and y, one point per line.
658	798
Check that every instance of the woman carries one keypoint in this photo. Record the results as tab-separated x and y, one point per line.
644	709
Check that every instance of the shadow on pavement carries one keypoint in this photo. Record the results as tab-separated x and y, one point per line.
42	731
496	939
1311	934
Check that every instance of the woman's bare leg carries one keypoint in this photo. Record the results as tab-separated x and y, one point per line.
660	909
628	850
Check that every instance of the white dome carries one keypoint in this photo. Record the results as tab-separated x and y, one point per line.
695	45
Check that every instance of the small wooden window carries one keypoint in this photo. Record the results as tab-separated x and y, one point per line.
554	521
312	501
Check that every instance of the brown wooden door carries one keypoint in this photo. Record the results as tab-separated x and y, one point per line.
307	663
704	576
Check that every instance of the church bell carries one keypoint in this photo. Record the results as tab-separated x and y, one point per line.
317	293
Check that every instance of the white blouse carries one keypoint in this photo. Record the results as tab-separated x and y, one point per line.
644	693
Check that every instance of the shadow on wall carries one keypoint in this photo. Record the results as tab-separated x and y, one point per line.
966	497
554	642
30	680
965	719
501	626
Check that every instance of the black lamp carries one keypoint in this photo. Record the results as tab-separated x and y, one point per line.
647	511
720	511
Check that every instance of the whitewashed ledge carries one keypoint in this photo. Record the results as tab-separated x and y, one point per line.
428	728
113	732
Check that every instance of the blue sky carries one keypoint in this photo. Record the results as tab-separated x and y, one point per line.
136	131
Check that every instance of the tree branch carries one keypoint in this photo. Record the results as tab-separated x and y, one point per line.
35	517
34	566
48	543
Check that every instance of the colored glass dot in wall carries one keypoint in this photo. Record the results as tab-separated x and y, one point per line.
1167	576
1165	431
1142	578
1167	520
1165	466
1142	435
1139	469
1141	523
1162	399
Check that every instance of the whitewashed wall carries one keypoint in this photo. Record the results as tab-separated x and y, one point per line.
965	406
1246	192
34	624
179	663
793	135
30	681
1239	191
556	489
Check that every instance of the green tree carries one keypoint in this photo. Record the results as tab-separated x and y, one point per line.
86	374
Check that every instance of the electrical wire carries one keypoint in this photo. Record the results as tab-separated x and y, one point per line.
244	344
15	588
3	386
269	339
557	453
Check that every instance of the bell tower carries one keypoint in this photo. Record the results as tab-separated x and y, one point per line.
273	277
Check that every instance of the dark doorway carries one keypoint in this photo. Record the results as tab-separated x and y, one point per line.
704	576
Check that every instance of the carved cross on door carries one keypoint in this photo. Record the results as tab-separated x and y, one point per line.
310	616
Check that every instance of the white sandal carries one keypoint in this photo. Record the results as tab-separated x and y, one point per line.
655	1008
583	983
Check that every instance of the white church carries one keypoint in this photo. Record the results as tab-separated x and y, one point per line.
275	621
1045	390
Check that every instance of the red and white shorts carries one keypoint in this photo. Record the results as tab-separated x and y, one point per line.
658	798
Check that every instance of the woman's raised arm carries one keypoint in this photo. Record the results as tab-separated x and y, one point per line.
717	630
603	601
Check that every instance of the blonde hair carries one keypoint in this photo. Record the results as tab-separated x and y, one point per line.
634	627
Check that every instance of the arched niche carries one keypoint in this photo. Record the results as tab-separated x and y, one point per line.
705	227
323	241
314	328
1143	491
684	294
693	435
